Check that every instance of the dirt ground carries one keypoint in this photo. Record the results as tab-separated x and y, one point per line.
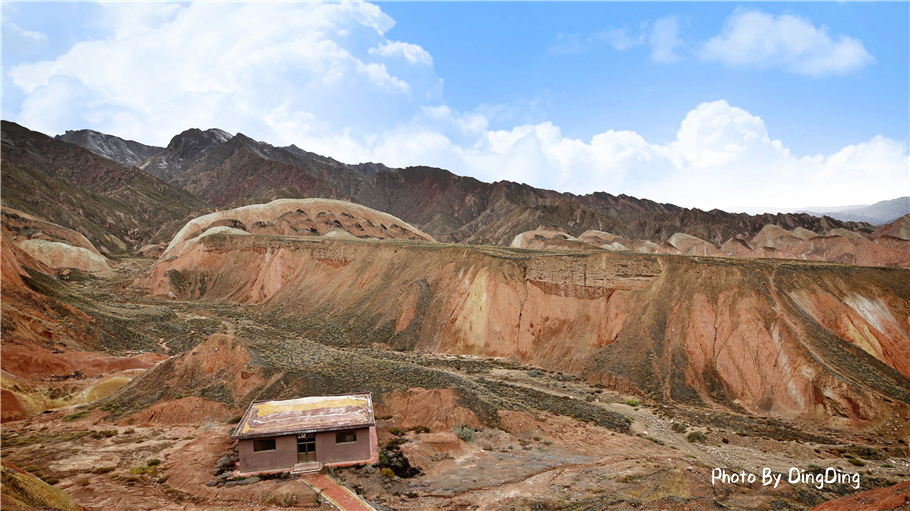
523	460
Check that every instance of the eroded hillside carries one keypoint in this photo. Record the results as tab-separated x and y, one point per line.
824	342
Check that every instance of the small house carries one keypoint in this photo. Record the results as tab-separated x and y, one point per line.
306	434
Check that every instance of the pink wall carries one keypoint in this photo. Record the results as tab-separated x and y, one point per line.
283	457
330	453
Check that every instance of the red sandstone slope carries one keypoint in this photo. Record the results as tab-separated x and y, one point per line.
892	498
45	339
819	341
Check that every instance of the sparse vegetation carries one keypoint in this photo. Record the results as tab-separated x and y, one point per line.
76	416
464	432
103	470
696	437
678	427
632	402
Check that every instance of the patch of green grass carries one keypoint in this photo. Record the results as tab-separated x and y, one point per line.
632	402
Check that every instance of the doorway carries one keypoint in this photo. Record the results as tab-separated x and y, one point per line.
306	450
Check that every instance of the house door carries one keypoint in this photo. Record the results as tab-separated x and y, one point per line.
306	450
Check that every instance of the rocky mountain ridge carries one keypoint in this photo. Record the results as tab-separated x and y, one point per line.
116	207
227	170
125	152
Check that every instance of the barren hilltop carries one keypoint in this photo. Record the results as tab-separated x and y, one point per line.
525	348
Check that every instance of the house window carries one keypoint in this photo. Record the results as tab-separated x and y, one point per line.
345	437
267	444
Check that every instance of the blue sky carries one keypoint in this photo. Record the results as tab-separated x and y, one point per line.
741	106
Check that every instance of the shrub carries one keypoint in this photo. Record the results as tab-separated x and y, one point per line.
858	463
695	436
678	427
420	429
632	402
464	432
103	470
141	469
82	482
76	416
396	431
387	473
535	373
129	431
107	433
153	462
50	480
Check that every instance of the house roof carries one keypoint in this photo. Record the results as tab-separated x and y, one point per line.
306	415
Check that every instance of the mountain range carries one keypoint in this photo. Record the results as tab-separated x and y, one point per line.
880	213
201	171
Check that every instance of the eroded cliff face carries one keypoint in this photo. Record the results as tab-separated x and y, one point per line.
817	341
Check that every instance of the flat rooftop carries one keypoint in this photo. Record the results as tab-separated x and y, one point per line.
306	415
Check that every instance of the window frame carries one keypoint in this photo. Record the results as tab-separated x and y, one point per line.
341	437
261	441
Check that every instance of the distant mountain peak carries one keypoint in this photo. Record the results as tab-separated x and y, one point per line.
125	152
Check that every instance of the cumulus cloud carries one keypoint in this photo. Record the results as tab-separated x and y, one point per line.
168	67
722	157
753	39
410	52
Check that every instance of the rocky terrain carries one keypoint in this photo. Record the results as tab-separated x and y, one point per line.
124	152
117	208
618	355
887	246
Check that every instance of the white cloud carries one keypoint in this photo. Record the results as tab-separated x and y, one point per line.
620	39
411	52
664	39
169	67
757	40
722	157
662	36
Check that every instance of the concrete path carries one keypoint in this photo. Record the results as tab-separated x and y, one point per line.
343	498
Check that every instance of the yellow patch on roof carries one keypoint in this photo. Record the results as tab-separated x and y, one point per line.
295	405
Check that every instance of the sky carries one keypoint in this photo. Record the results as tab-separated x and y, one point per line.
738	106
